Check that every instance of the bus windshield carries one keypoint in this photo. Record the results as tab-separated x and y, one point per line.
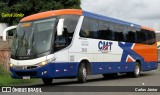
33	38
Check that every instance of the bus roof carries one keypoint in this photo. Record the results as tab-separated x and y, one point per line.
79	12
51	13
89	14
93	15
147	28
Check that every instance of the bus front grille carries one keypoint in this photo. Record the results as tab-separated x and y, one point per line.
25	67
34	73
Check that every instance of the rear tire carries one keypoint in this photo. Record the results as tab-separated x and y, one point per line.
137	70
47	80
82	73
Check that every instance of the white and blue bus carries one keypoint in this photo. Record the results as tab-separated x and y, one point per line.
75	43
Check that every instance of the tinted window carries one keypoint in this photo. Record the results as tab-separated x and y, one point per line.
142	37
89	28
118	35
105	31
70	22
93	26
85	28
146	37
131	35
125	32
151	37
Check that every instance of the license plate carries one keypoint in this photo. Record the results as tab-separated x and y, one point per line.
26	77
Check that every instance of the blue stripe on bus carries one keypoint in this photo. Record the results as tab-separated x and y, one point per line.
105	18
56	70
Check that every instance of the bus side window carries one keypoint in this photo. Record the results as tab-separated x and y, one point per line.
106	30
85	28
125	31
103	26
61	40
118	35
131	36
146	37
142	36
93	28
70	24
151	37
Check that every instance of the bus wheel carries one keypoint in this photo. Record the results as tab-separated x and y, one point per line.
47	80
137	70
82	73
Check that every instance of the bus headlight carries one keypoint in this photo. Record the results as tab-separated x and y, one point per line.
43	63
11	65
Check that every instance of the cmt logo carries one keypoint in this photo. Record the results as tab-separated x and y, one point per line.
105	46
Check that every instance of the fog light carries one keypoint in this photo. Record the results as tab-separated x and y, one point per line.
44	72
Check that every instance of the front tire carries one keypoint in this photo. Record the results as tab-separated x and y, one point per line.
47	80
82	73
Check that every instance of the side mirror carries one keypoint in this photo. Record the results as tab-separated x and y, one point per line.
7	29
60	27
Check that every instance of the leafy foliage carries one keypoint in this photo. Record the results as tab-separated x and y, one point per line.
28	7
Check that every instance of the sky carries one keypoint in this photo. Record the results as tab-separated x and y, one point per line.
141	12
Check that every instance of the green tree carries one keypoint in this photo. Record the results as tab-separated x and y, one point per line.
28	7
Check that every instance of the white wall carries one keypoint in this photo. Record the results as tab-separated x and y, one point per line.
2	27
